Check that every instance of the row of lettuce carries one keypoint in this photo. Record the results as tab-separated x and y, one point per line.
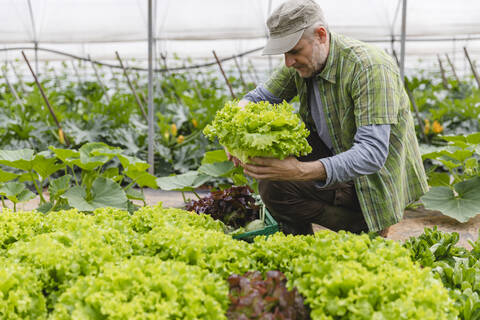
162	263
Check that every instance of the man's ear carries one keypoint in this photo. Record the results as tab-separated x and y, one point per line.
322	34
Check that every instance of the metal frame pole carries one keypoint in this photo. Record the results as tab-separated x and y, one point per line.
151	131
404	36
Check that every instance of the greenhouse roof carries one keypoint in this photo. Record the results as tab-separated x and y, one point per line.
194	28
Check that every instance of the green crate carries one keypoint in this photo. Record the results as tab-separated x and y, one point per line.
271	226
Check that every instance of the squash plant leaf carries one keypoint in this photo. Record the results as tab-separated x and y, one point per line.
105	193
19	159
214	156
183	182
59	186
461	203
218	169
16	192
6	176
141	178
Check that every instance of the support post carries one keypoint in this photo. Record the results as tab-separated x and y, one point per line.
151	131
20	81
60	130
404	36
104	88
76	71
417	113
442	72
134	92
224	75
412	101
472	66
11	87
453	68
254	71
240	72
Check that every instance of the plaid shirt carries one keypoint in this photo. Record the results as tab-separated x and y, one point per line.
361	85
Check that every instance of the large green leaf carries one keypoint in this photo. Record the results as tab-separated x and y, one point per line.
65	154
59	186
132	163
6	176
461	203
105	193
20	159
217	169
16	192
25	159
214	156
141	178
436	179
183	182
46	167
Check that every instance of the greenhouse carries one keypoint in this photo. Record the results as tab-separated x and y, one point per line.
226	159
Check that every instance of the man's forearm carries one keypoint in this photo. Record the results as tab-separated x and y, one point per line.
312	170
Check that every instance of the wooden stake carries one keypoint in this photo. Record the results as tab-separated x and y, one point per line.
60	130
137	98
104	88
442	72
76	71
240	72
224	76
257	79
472	66
20	81
412	101
453	68
417	113
11	87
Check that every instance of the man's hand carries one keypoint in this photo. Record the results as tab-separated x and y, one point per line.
235	160
287	169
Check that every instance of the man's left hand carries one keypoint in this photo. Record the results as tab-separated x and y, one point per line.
287	169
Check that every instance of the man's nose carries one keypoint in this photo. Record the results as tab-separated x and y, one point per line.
289	60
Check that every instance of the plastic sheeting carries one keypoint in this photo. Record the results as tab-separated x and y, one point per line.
192	28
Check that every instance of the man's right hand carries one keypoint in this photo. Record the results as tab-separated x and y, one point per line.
235	160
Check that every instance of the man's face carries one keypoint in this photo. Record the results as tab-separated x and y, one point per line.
309	55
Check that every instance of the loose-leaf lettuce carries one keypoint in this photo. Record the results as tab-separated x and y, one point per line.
260	130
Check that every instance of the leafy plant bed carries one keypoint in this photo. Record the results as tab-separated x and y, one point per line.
239	209
161	263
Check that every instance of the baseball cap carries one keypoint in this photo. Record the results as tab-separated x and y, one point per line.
287	23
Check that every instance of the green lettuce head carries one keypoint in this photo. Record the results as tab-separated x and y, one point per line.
259	130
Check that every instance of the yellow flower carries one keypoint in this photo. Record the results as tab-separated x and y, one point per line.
61	136
195	123
166	135
437	127
427	126
180	139
174	129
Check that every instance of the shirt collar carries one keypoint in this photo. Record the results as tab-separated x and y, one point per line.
330	70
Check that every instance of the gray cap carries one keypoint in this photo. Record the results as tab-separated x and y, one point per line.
288	22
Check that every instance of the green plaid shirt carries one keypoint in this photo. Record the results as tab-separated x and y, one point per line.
361	85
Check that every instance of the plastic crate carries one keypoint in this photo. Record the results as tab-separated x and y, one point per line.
271	226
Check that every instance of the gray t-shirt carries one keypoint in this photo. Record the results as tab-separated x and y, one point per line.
367	155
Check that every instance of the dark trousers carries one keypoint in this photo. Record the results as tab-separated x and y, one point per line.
298	204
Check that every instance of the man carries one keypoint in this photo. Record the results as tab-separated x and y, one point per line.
365	166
